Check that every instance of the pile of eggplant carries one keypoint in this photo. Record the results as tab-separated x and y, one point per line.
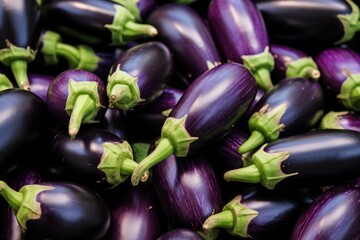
179	119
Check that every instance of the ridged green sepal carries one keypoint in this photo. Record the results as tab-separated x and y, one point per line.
5	82
350	22
12	52
303	67
331	120
88	60
349	95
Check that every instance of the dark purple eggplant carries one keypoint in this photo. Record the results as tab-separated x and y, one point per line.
180	234
341	120
293	106
291	62
309	23
39	84
315	158
94	22
183	30
260	213
207	111
76	97
188	190
58	210
20	31
333	215
139	75
340	69
243	122
241	35
116	122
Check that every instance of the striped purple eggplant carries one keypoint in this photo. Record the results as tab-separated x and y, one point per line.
314	158
243	122
309	23
207	111
180	234
46	210
259	213
139	75
20	32
340	69
94	22
294	105
333	215
183	30
241	35
341	120
188	190
76	97
291	62
39	84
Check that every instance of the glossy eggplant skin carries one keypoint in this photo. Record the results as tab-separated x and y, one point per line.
341	120
183	30
116	122
180	234
342	199
304	23
39	84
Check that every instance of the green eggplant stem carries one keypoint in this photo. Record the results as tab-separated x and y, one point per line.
12	197
313	73
70	53
133	29
224	219
250	174
263	79
19	69
255	140
119	93
128	166
163	150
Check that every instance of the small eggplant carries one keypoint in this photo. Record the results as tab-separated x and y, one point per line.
58	210
139	75
188	190
180	234
294	105
75	97
241	34
183	30
260	213
39	84
291	62
333	215
94	22
319	157
341	120
116	122
340	69
207	111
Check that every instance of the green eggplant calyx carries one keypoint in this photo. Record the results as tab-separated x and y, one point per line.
303	67
210	64
88	60
350	23
331	120
131	5
349	95
140	150
5	82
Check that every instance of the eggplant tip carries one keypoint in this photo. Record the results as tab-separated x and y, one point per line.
73	132
315	74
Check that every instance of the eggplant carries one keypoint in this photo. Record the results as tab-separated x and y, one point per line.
260	213
293	106
22	126
116	122
135	213
341	120
20	32
76	97
180	234
291	62
58	210
139	75
183	30
314	158
233	24
309	23
39	84
333	215
243	122
94	22
188	191
207	111
340	69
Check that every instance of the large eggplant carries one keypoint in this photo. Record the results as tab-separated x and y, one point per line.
58	210
139	75
340	69
207	111
309	23
341	120
183	30
293	106
20	31
242	37
333	215
315	158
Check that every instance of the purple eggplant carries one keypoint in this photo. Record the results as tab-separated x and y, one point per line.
20	31
319	157
139	75
94	22
260	213
116	121
180	234
207	111
76	97
333	215
293	106
340	69
304	23
39	84
58	210
183	30
291	62
243	122
135	213
341	120
188	190
233	24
